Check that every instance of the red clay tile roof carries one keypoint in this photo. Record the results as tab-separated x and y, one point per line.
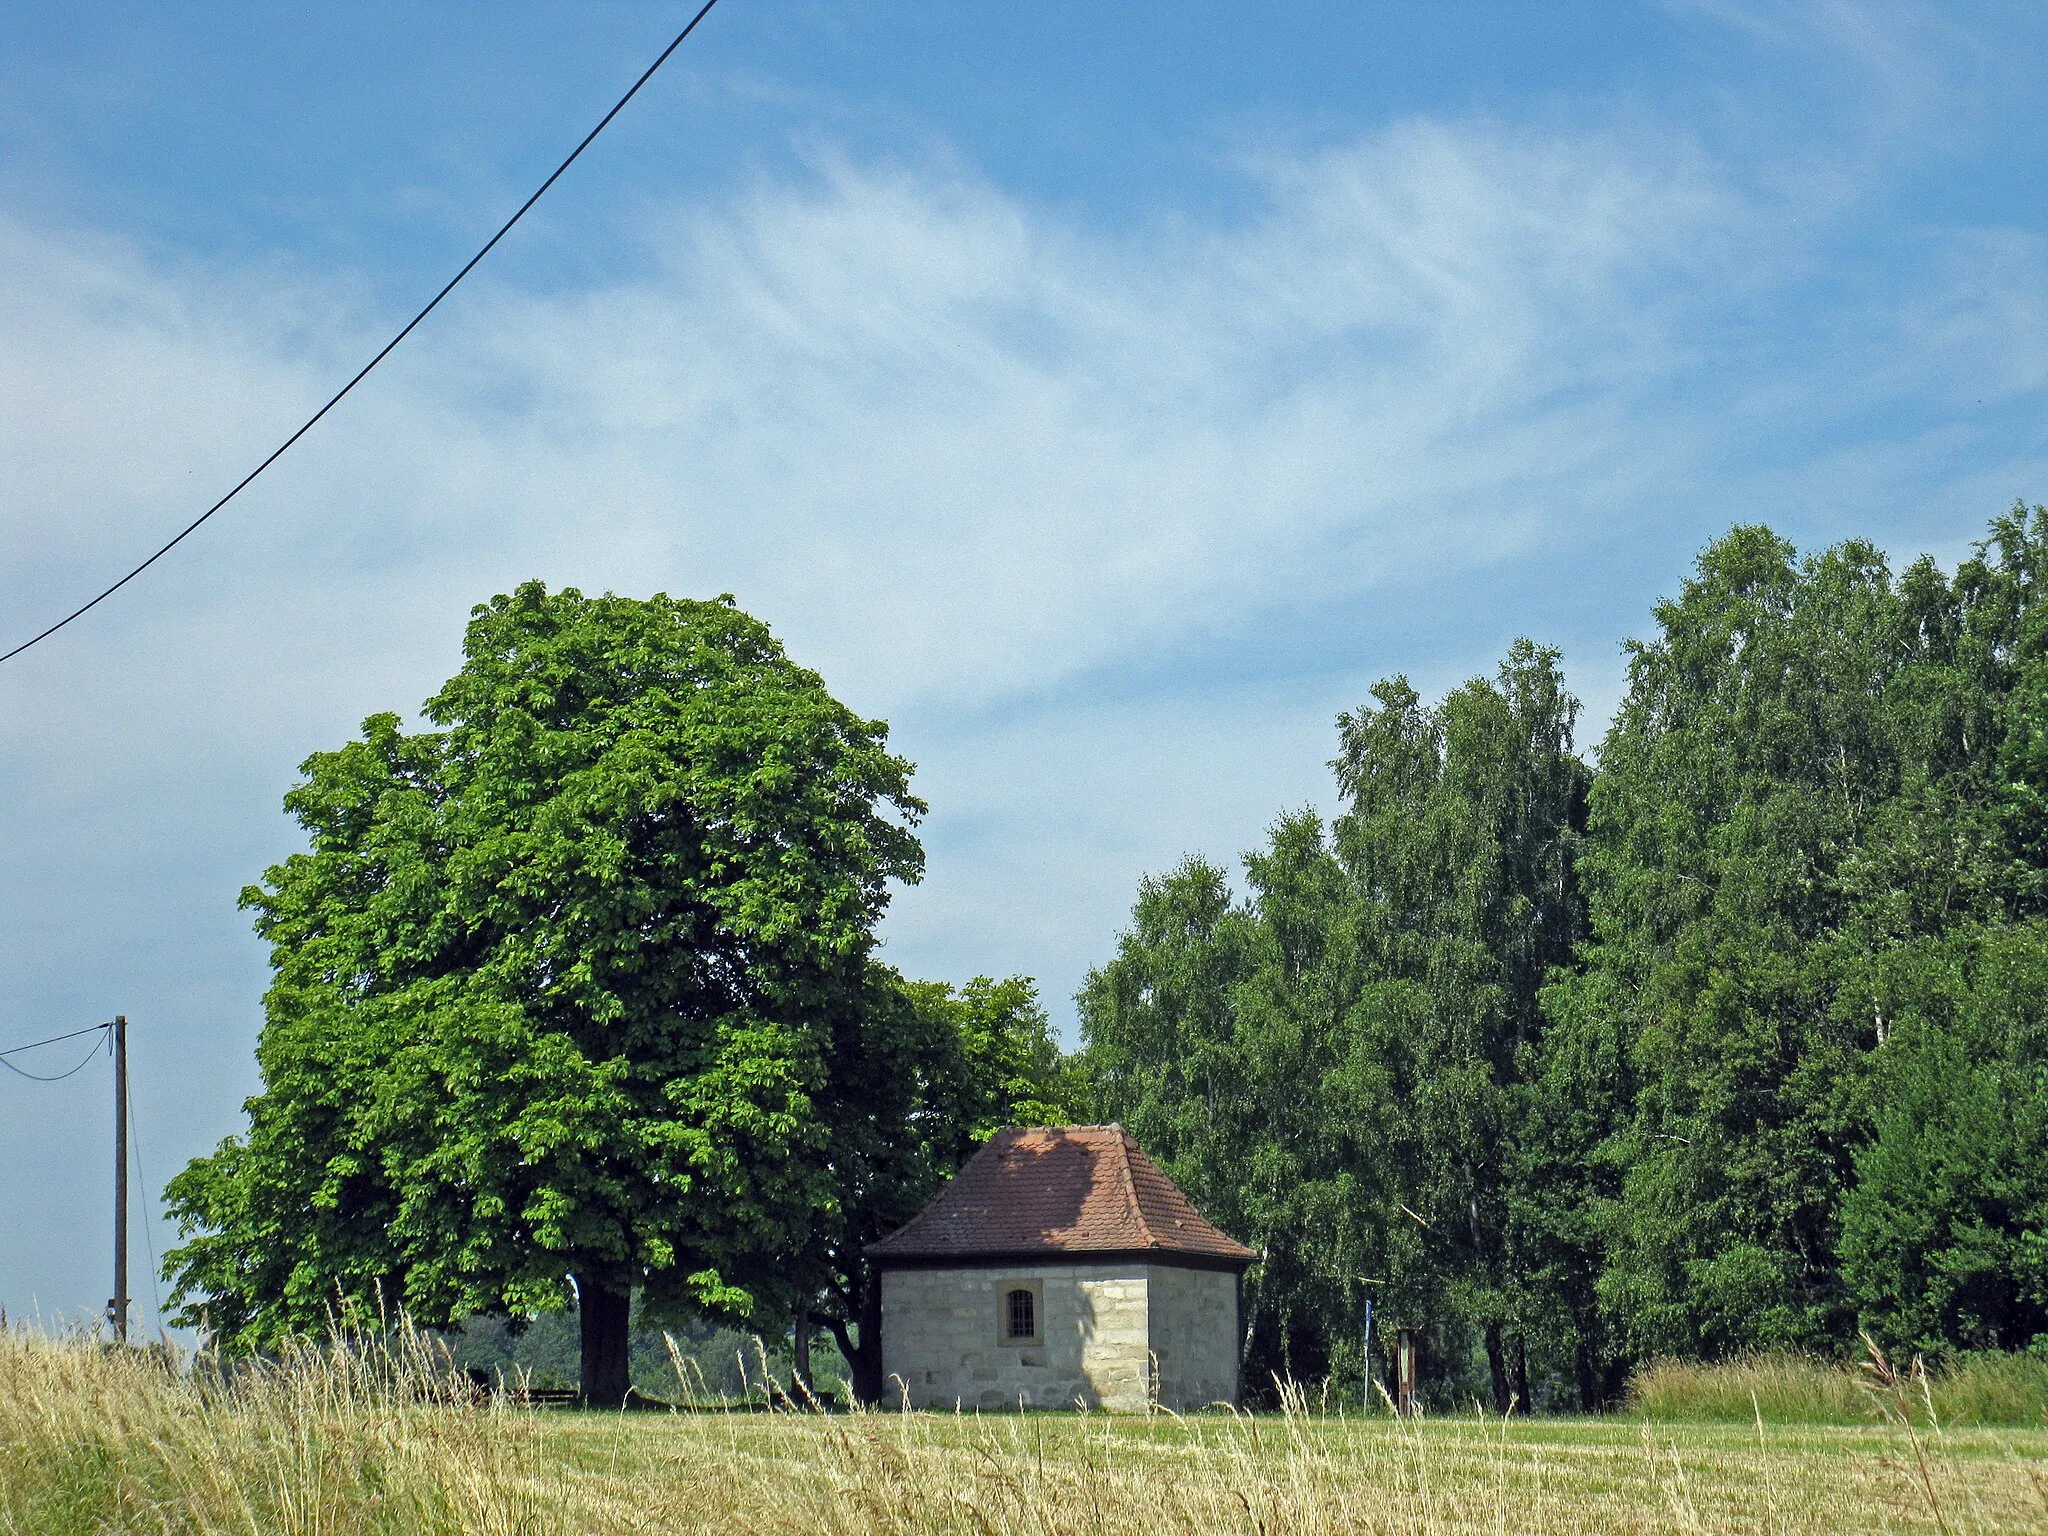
1068	1190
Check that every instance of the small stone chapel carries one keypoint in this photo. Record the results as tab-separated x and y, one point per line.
1061	1268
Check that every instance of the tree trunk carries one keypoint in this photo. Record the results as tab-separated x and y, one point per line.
864	1355
868	1384
1518	1375
1497	1367
1613	1382
800	1358
604	1320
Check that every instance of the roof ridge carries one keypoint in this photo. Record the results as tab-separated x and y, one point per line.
1130	1183
1059	1130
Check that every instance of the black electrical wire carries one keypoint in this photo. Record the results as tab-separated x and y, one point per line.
432	304
148	1219
58	1077
53	1040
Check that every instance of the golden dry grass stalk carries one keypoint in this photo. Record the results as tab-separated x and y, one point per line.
382	1435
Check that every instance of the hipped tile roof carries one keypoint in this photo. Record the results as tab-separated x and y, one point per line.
1072	1189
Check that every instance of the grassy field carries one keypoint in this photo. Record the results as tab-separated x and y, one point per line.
366	1440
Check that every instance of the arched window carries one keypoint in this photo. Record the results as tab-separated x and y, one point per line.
1021	1315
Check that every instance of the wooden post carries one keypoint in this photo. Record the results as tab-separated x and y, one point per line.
119	1306
1407	1371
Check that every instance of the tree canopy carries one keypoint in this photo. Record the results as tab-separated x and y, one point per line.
1735	1039
1337	1068
1815	883
575	991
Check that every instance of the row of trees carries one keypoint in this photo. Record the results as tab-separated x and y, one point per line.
1737	1039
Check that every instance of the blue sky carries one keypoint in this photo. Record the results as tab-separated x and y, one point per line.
1104	394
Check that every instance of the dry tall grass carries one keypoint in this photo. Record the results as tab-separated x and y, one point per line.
1788	1388
374	1436
358	1436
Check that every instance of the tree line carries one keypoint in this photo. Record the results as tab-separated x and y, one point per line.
1732	1038
1732	1035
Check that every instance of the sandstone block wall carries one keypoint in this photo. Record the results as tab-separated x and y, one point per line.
1100	1325
942	1344
1194	1336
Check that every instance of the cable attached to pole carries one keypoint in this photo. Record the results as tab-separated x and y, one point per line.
38	1077
15	1050
148	1216
433	303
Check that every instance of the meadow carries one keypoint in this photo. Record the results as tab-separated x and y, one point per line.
387	1437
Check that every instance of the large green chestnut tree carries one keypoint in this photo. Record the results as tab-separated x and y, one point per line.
574	991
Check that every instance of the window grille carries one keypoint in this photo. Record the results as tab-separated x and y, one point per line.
1023	1317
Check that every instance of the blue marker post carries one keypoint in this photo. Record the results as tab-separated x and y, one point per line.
1368	1354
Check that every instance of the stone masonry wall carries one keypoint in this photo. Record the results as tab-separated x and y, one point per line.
1102	1327
941	1338
1194	1336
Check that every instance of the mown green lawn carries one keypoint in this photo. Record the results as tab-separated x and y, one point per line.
1048	1473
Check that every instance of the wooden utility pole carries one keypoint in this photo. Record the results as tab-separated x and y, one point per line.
118	1307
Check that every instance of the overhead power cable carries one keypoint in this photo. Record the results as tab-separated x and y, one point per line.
313	420
57	1077
53	1040
148	1214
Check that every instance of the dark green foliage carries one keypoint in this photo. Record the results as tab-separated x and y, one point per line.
1945	1230
1337	1067
921	1077
1810	828
1738	1043
1459	842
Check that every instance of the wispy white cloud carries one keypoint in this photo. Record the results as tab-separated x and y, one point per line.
958	447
